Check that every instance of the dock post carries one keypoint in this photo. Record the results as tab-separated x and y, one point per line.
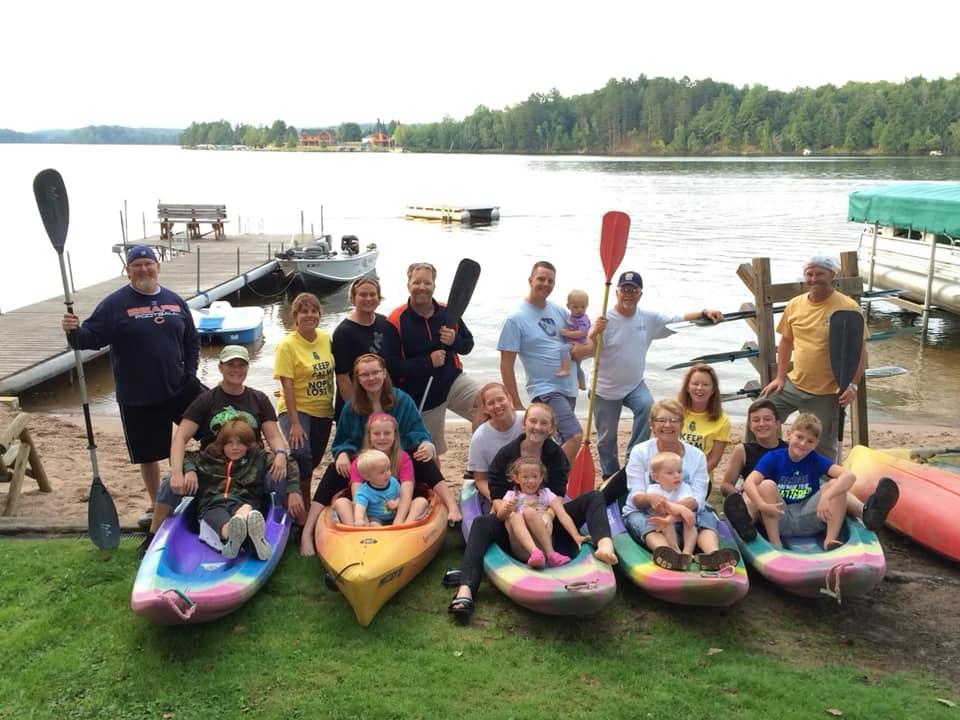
238	260
143	218
859	429
198	271
301	222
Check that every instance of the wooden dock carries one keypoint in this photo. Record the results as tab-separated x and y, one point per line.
35	348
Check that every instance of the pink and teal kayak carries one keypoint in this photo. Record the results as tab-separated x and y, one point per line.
182	580
804	568
581	587
686	587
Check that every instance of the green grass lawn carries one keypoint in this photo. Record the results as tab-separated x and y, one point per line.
70	647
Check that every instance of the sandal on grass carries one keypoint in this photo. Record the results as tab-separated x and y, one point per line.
451	578
880	503
461	606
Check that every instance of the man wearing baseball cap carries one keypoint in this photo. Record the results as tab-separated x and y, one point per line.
627	334
805	339
154	351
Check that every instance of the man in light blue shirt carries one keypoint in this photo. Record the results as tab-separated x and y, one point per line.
532	333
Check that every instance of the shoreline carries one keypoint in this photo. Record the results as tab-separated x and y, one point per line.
61	442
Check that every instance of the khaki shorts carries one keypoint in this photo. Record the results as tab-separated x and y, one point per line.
460	400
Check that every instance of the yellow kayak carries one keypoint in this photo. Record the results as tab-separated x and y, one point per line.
372	564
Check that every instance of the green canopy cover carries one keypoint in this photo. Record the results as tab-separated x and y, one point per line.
930	207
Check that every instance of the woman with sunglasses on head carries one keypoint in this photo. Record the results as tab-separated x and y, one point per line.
429	368
373	392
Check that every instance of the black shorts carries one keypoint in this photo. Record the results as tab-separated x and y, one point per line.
148	428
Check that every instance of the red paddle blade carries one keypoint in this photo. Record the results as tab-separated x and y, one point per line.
613	240
583	476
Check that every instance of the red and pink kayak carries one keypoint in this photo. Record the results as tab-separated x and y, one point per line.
183	580
928	510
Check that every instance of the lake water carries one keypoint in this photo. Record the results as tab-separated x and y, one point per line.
693	222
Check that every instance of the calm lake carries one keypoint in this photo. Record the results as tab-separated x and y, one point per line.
694	221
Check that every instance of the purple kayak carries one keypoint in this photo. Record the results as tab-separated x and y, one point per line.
182	580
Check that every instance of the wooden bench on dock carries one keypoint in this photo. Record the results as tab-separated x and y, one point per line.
193	216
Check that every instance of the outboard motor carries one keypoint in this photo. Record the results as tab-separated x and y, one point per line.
350	244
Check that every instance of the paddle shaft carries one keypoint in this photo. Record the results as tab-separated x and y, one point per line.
78	363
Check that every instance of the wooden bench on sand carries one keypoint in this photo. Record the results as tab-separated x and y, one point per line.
193	216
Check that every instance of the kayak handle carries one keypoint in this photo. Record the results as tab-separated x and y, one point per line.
831	582
172	595
581	585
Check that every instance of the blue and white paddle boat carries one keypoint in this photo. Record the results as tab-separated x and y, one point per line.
229	325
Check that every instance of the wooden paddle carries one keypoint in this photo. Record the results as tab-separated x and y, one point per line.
103	525
846	346
464	283
613	245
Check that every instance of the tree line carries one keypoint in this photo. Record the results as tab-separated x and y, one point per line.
652	116
662	116
279	134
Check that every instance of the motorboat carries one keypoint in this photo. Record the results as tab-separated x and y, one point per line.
318	266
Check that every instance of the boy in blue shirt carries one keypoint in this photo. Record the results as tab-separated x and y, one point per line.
785	488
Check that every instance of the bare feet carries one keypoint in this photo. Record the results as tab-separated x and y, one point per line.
604	551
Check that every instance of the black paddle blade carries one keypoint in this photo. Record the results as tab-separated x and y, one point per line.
51	195
464	282
846	344
103	525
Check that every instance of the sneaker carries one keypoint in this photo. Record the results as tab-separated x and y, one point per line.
143	522
236	534
255	528
537	559
879	505
554	559
735	510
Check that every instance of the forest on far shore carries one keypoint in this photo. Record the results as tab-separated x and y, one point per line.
642	116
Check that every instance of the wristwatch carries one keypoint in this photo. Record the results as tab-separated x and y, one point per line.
855	387
280	451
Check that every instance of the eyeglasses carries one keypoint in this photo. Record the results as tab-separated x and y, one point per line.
370	375
629	289
667	420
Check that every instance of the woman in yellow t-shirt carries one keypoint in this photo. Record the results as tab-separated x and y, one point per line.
303	363
705	425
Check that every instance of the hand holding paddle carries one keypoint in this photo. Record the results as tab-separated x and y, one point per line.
613	246
103	525
464	283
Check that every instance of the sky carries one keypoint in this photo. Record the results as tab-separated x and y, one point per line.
143	63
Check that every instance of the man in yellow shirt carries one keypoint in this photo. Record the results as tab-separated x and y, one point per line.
805	338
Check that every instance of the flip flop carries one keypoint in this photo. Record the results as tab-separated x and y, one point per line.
461	606
880	503
735	510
